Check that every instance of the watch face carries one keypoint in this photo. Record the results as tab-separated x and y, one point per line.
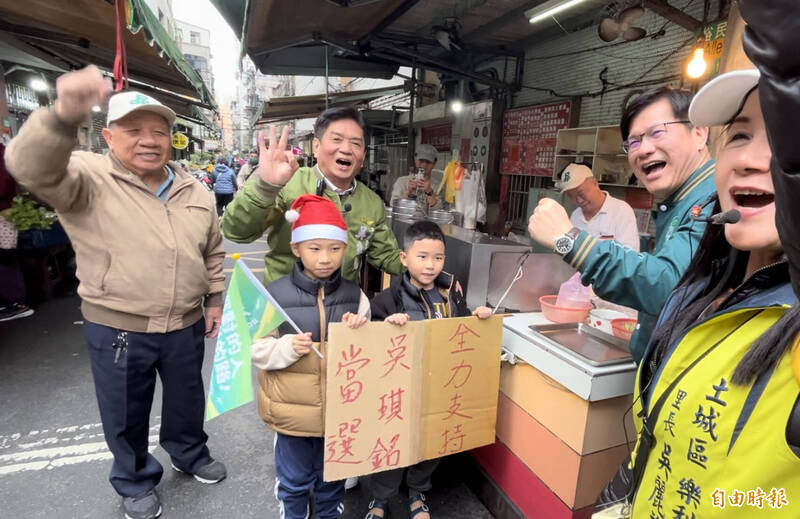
563	245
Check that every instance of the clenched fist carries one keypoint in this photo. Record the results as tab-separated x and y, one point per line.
77	92
276	164
548	222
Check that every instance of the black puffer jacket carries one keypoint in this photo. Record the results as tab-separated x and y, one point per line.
306	300
403	297
770	41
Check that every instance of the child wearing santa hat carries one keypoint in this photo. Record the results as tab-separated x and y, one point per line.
291	375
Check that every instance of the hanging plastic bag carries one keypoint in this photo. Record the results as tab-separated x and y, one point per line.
471	197
573	294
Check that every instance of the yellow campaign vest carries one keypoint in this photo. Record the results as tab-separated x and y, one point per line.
694	469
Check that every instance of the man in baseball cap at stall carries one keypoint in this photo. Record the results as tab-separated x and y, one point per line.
598	213
149	256
422	187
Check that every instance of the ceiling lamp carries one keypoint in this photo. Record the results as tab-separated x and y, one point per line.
697	65
38	84
550	8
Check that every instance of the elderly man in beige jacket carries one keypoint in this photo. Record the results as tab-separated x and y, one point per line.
149	257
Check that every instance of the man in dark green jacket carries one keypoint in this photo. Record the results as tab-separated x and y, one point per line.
339	147
670	158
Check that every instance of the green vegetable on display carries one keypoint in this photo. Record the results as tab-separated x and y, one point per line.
26	214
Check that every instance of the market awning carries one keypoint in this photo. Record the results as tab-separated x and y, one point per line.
70	35
284	37
300	107
481	41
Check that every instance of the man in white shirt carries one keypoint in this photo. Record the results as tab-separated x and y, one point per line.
598	212
410	186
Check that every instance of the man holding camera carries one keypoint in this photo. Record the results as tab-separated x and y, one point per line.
420	184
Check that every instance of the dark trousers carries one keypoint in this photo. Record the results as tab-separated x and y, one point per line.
223	199
12	284
385	485
298	467
124	388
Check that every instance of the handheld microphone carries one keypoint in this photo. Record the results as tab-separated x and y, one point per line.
731	216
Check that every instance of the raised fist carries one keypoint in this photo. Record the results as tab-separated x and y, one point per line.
77	92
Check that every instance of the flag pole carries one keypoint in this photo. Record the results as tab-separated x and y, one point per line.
260	286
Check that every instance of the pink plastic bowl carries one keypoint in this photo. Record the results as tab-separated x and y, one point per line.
623	328
562	314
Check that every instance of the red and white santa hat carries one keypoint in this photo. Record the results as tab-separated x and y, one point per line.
315	217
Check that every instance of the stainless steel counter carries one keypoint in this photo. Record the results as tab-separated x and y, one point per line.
588	381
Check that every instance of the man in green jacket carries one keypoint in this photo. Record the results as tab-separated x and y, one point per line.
670	158
339	147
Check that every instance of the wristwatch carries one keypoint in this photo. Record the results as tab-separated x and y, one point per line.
565	242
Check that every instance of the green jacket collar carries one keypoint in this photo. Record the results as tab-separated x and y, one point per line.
695	180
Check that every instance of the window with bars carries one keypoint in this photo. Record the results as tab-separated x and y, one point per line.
517	198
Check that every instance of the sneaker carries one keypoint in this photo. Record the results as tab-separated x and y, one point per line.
350	483
212	472
144	506
14	311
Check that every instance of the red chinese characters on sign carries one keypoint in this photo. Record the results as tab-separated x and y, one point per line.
391	405
352	362
529	138
461	371
453	440
385	455
396	354
340	447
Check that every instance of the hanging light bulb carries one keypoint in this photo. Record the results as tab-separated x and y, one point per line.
457	105
697	65
38	84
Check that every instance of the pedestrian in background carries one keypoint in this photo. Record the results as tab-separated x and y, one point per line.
224	184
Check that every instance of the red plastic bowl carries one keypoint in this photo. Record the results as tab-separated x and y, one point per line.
623	328
563	314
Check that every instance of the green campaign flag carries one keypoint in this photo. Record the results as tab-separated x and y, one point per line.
250	312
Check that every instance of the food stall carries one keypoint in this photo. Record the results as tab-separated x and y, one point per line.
563	425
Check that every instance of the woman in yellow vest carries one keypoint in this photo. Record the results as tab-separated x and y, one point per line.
715	394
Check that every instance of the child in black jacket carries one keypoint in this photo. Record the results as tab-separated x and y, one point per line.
424	291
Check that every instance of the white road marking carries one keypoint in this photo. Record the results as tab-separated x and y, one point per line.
49	449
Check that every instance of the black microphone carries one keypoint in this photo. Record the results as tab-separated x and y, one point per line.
347	208
320	187
731	216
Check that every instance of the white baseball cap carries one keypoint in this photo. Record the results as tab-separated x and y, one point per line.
426	152
124	103
722	97
573	176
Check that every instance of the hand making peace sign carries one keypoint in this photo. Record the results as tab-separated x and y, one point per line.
276	164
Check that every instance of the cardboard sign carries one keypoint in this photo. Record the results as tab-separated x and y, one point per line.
398	395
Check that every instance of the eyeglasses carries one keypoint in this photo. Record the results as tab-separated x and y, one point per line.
654	133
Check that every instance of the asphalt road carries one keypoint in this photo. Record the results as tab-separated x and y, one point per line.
54	461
